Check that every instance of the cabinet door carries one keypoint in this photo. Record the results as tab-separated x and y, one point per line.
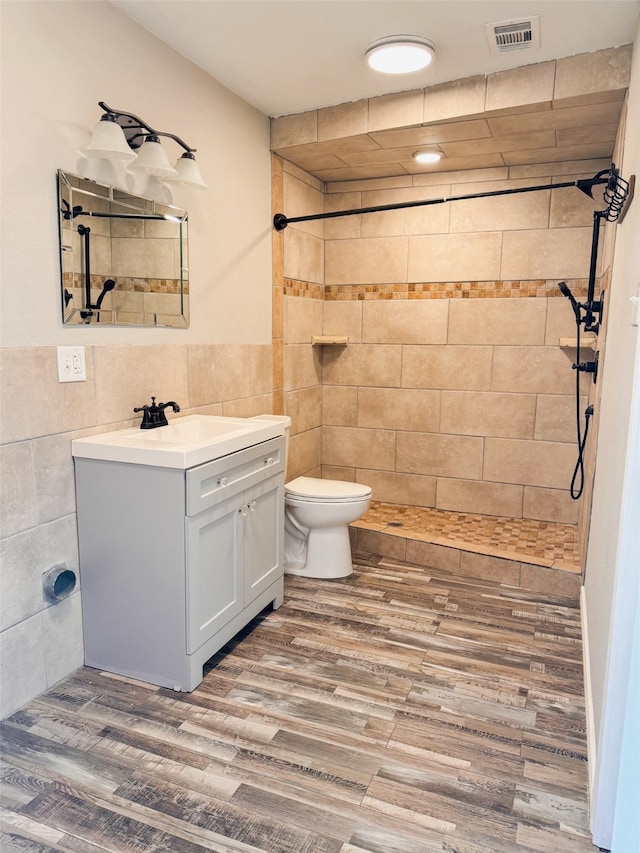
264	534
214	569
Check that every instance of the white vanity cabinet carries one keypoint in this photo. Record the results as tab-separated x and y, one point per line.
173	563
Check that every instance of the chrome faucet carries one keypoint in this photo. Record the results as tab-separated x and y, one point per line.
153	416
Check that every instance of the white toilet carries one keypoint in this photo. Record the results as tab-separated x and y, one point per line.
317	513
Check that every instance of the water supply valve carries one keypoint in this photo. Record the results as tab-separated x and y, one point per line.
589	366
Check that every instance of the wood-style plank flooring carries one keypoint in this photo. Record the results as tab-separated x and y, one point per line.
399	710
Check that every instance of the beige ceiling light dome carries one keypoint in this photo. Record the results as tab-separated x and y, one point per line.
400	54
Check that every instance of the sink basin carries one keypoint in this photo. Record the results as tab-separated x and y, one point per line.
187	441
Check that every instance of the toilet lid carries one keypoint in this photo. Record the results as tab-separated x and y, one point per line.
311	487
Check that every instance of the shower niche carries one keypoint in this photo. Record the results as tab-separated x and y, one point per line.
123	258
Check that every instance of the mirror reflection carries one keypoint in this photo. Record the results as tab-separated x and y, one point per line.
123	258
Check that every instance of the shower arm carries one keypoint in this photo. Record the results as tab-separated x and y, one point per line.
585	185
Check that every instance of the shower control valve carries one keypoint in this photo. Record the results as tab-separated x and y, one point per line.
589	366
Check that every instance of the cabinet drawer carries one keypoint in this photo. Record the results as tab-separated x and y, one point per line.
216	481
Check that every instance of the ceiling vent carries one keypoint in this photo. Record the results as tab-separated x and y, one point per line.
520	34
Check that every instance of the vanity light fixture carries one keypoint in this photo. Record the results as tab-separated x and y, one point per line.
427	156
400	54
119	135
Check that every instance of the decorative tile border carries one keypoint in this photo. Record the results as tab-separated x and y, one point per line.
306	289
127	284
455	290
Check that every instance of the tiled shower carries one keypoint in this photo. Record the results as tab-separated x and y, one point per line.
456	389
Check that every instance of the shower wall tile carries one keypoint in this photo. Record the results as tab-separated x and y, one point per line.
428	219
363	364
601	70
297	129
50	406
530	84
556	417
450	100
342	120
488	413
439	455
304	454
549	581
405	321
554	253
302	319
343	318
303	256
571	208
342	227
301	367
391	487
399	409
532	463
533	370
361	448
400	109
489	568
561	322
550	505
302	199
475	496
465	368
339	405
455	257
437	556
338	472
366	261
500	213
372	542
497	321
304	407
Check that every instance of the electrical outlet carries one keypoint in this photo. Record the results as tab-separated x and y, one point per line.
71	364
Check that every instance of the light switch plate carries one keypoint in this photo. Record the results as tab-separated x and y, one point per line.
71	364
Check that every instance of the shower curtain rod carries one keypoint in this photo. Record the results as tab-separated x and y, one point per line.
607	176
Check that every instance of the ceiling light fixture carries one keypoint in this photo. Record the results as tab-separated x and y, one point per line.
118	135
427	156
400	54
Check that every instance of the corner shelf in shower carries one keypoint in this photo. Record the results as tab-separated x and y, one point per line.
329	340
587	341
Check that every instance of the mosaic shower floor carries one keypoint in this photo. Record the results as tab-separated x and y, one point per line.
543	543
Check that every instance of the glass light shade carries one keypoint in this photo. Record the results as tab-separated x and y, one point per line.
400	54
188	173
427	156
153	160
108	141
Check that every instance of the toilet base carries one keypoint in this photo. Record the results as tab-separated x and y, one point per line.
328	554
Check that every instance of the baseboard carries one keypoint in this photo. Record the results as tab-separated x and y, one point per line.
588	697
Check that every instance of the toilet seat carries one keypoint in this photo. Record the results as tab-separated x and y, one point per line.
325	491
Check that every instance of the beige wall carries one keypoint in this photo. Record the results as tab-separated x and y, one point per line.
222	364
612	590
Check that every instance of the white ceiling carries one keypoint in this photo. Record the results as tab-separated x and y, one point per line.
288	56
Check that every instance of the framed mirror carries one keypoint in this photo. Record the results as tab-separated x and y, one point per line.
123	258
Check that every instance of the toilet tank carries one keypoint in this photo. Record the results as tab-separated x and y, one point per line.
285	420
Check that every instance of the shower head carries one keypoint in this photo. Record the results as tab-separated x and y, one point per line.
564	290
106	287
